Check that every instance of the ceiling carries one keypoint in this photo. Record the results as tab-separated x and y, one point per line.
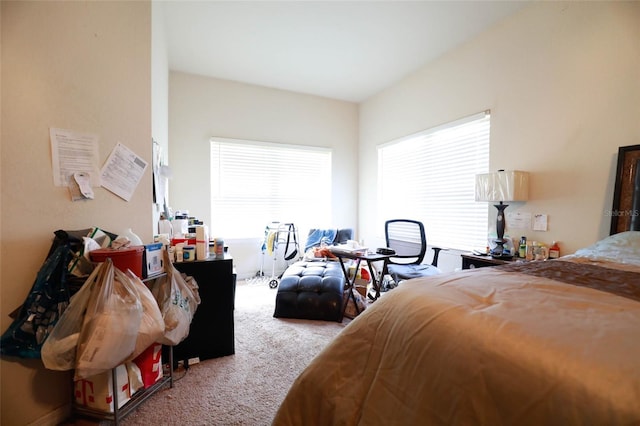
347	50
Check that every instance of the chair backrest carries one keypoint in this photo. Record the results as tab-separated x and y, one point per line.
407	237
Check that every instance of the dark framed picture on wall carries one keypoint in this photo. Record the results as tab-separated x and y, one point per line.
625	213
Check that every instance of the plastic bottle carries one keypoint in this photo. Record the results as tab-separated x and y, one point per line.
165	227
219	248
531	248
542	253
179	252
554	251
522	249
135	240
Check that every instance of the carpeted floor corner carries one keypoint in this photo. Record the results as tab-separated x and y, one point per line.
248	387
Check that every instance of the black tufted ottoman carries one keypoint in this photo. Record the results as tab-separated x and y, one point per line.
311	290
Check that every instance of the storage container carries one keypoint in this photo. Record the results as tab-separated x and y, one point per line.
189	253
123	259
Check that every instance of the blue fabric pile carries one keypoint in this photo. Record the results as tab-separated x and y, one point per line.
318	236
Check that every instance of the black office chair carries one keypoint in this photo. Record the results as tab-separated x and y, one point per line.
408	239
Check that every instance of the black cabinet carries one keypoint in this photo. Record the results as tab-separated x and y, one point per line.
211	333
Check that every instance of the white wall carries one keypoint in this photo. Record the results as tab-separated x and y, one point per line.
201	107
561	80
84	66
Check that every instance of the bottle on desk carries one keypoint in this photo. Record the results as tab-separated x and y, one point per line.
522	249
554	251
531	249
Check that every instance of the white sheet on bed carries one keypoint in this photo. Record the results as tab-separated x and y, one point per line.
479	347
623	248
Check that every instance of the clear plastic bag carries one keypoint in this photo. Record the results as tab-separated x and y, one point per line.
111	324
59	350
352	309
152	323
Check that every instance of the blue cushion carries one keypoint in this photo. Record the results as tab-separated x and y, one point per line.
406	272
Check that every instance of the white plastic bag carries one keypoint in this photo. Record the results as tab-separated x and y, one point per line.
178	301
111	324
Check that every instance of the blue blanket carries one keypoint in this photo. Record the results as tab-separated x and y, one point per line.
319	236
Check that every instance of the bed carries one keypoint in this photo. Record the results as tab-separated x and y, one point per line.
537	343
530	343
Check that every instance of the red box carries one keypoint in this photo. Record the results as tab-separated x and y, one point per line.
150	364
123	259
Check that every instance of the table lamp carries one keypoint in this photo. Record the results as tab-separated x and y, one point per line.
503	185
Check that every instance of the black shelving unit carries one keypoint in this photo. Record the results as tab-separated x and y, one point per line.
136	399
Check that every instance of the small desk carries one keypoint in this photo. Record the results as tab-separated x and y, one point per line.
472	261
370	258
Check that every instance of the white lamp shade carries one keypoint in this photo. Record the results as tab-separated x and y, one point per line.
506	185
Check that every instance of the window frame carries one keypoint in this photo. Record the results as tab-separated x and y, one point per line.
446	225
266	171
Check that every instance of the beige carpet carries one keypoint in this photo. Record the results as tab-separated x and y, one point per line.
245	388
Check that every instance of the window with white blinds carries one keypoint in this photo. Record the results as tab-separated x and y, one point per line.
430	177
256	183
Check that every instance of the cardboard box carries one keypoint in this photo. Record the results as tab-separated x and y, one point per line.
185	241
202	242
361	286
363	272
96	392
153	259
150	364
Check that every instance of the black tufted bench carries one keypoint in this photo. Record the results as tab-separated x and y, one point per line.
311	290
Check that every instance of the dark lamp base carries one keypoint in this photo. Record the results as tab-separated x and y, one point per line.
499	251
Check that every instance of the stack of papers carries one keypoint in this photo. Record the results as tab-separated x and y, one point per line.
350	249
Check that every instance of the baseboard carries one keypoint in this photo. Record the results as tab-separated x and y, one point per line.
55	417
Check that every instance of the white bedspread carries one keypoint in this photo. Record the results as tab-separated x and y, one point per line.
482	346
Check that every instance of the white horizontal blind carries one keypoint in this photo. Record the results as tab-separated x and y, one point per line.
430	177
256	183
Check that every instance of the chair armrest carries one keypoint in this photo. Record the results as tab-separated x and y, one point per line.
436	253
